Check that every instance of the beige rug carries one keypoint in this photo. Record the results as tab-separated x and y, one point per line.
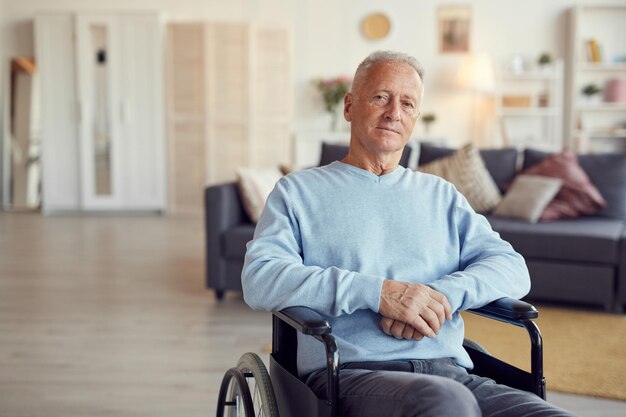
584	352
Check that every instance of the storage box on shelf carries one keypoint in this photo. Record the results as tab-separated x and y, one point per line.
530	107
597	58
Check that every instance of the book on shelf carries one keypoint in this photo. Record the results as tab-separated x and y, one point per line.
593	51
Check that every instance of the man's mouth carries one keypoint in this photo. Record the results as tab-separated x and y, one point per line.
388	129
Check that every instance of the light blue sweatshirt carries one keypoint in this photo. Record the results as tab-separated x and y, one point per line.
329	236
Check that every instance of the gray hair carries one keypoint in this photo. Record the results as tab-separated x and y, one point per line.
387	56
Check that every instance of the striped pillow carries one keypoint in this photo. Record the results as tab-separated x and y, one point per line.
466	170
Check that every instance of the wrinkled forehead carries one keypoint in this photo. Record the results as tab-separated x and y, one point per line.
388	75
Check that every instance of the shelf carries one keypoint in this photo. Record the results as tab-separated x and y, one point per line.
547	75
601	7
602	67
606	136
530	106
595	31
530	112
601	107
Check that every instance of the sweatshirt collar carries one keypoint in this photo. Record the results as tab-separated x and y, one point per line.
367	174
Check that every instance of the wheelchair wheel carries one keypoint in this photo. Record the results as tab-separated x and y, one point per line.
246	390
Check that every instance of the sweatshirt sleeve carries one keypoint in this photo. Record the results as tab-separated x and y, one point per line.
274	275
489	267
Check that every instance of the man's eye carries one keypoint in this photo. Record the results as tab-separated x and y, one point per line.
379	97
408	105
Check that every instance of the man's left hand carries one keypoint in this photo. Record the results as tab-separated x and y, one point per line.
399	330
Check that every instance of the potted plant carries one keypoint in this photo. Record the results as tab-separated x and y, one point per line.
427	119
590	90
544	59
333	91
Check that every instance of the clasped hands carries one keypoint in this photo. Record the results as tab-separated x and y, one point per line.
412	311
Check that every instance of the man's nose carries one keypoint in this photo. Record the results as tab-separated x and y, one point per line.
392	111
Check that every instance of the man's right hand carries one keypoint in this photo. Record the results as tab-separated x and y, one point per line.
417	305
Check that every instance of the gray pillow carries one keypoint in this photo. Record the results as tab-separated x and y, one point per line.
607	171
334	152
501	163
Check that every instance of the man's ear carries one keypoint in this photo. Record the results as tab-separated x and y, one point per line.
347	105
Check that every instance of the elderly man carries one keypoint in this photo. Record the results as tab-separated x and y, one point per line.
391	257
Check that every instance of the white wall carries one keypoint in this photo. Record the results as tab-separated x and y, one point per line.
328	42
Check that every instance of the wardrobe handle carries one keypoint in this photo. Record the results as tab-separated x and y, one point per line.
79	112
124	112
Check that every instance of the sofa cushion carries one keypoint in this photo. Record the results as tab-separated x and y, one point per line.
606	171
501	163
577	197
255	185
527	197
621	285
466	170
572	282
234	241
589	239
332	152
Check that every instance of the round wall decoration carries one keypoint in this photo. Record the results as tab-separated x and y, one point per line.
376	26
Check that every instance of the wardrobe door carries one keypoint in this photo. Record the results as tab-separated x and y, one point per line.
186	109
98	64
142	112
228	95
271	87
54	51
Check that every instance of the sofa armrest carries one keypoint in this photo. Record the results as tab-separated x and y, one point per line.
223	207
223	210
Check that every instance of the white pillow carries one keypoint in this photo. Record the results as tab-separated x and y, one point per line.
528	197
255	184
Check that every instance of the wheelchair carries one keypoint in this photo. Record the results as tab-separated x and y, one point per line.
248	390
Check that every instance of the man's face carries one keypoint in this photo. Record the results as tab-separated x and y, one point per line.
384	106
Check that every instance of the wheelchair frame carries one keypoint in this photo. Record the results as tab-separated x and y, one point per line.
287	386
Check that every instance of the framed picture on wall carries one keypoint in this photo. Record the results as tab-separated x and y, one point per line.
455	23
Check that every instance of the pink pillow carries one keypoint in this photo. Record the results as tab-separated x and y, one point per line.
577	197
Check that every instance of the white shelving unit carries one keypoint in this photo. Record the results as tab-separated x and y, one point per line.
595	125
537	123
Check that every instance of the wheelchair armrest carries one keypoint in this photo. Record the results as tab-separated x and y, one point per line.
311	323
522	314
304	320
508	310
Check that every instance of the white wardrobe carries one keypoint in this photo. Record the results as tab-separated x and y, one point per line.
102	129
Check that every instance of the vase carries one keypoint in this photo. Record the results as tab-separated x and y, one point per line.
334	121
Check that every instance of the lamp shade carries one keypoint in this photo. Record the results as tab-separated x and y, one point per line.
477	73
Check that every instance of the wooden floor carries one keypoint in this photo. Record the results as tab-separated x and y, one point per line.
108	316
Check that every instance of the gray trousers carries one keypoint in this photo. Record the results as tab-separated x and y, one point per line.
425	388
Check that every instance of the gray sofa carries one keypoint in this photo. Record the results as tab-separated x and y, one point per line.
581	261
228	227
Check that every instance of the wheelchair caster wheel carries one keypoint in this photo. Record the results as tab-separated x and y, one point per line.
246	390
